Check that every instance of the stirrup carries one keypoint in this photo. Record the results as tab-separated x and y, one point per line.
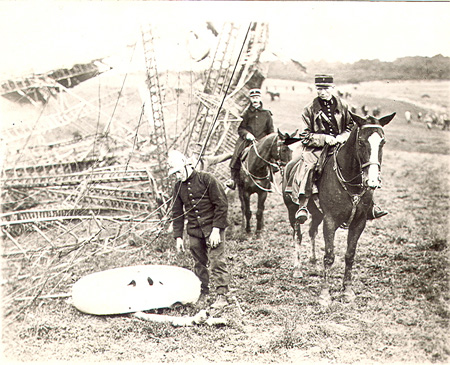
230	184
302	215
376	213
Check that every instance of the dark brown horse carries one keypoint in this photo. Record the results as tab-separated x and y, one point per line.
259	162
346	186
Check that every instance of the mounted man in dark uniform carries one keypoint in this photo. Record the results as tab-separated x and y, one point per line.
326	121
256	124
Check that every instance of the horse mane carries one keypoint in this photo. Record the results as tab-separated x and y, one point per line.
353	133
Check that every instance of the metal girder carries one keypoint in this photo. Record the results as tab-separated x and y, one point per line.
158	137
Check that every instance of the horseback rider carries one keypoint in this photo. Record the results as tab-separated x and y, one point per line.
256	123
326	121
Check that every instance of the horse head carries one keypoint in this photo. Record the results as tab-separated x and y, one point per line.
284	151
369	141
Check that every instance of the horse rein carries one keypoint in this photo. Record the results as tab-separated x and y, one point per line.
262	158
253	177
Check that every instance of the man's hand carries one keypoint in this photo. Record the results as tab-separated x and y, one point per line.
341	139
214	238
180	244
250	137
330	140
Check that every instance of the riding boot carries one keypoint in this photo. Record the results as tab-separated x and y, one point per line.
231	183
302	213
375	212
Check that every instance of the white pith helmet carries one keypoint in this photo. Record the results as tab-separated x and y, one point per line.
177	161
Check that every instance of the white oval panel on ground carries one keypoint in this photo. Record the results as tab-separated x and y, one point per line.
135	288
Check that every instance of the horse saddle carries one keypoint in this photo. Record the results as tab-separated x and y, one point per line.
326	153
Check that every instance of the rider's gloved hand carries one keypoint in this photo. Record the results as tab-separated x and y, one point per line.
340	139
330	140
250	137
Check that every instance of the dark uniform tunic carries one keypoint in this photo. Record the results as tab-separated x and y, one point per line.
257	121
320	118
202	200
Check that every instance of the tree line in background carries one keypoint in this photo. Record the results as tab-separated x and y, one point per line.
406	68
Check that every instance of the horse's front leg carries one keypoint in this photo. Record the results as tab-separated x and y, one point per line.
262	196
316	219
246	212
297	273
354	232
329	230
297	234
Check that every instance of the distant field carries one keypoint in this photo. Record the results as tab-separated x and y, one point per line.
413	137
434	95
425	96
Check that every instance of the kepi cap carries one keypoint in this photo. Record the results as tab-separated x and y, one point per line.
323	80
255	92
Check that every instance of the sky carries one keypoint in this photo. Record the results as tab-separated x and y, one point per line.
40	35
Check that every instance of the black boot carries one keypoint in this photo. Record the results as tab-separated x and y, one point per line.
231	183
302	213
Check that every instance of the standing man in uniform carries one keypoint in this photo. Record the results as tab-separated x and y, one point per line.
256	124
325	121
200	198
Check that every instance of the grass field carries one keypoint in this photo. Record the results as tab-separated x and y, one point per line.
401	275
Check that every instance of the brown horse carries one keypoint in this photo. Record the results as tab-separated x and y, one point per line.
346	186
259	162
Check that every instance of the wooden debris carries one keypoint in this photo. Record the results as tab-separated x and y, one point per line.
201	317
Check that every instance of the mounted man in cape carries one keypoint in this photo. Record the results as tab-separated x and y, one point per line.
256	123
326	121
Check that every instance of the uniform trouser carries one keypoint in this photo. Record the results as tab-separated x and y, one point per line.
235	163
301	183
216	259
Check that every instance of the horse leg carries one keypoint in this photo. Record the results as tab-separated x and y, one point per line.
297	273
329	230
262	196
316	219
354	232
297	234
246	212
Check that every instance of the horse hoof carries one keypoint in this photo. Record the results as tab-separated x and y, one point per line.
297	274
325	298
349	295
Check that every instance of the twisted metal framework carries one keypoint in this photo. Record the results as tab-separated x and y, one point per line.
214	128
71	200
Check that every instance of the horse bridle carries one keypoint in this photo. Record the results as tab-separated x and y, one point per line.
362	165
355	197
357	137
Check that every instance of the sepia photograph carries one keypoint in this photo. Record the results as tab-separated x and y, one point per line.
225	182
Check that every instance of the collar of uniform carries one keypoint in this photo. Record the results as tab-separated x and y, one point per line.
316	106
252	108
194	172
326	102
